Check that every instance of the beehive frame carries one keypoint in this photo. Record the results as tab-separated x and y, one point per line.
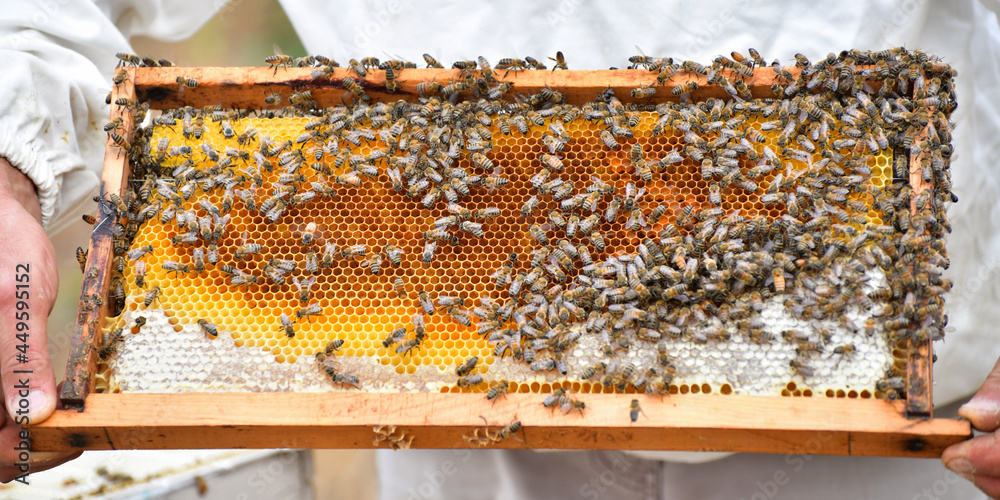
346	420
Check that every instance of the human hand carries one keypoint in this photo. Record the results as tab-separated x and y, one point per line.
23	241
978	459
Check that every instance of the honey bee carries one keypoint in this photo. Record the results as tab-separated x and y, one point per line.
139	252
278	60
152	295
643	170
428	254
81	258
684	88
114	124
208	327
534	63
354	251
390	79
349	179
481	161
374	263
511	64
127	103
845	349
247	250
778	276
272	98
111	344
394	337
467	366
304	287
800	368
643	92
568	404
333	346
173	267
598	240
635	410
308	312
431	62
121	142
287	325
312	262
609	140
353	86
186	82
124	58
448	301
469	381
538	234
425	302
497	390
560	61
486	213
474	228
140	273
507	431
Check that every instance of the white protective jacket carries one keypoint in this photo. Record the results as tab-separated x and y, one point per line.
59	59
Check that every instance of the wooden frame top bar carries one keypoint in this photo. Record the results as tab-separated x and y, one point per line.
245	88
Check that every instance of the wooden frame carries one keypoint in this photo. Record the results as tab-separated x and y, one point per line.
345	420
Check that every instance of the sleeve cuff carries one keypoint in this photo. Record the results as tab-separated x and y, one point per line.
39	163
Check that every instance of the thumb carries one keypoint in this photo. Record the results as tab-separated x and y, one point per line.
26	377
983	410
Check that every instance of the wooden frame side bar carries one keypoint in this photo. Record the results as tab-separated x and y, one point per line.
346	420
919	363
96	279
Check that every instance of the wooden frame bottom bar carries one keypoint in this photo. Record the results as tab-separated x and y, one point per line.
697	422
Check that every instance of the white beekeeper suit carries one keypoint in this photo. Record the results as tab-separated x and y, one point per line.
59	59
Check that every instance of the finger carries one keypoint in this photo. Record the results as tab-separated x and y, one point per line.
979	456
983	410
53	459
16	455
28	382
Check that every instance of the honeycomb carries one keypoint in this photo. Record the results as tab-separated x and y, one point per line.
170	352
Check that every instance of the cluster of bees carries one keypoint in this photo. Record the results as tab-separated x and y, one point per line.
697	272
